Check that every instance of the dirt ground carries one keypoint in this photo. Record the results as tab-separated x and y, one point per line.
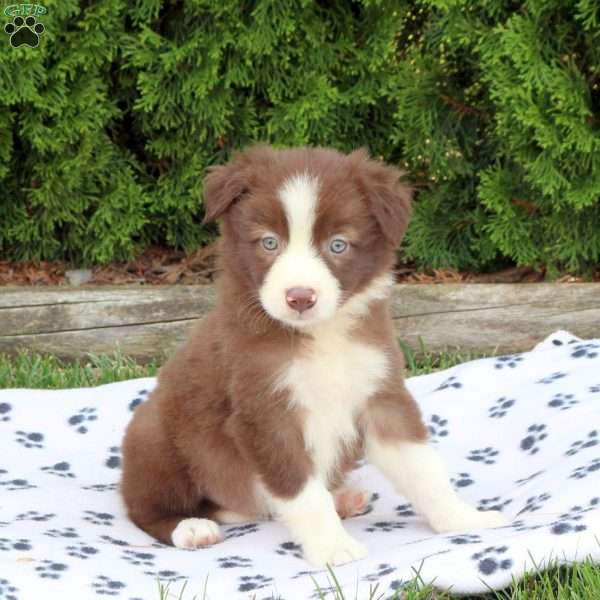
163	266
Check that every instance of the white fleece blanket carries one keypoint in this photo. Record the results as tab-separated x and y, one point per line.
519	433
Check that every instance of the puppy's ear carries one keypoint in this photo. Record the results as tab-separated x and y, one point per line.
224	185
388	197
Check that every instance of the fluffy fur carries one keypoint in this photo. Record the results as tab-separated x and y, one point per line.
296	373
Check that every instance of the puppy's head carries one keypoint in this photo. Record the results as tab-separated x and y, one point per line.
307	229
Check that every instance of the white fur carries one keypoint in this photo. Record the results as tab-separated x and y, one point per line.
313	521
358	305
418	473
191	533
299	264
332	381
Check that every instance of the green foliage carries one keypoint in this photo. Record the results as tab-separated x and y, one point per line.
107	127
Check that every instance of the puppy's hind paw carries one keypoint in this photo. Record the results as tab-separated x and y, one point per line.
350	502
465	517
338	551
194	533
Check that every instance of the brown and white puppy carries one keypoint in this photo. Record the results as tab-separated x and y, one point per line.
296	373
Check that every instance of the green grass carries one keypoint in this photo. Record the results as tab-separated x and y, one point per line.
577	582
48	372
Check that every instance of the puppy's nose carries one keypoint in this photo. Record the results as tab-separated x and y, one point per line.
301	298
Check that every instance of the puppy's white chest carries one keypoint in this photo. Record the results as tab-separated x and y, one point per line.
333	383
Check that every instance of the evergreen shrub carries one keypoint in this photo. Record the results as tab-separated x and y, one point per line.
493	107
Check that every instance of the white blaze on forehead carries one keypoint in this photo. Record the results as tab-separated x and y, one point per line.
299	196
300	264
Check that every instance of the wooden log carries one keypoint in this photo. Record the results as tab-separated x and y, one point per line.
149	322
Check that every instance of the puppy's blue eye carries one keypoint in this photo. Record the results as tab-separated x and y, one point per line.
338	246
270	243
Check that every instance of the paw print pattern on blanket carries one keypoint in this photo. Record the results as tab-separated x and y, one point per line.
578	445
167	575
97	518
61	469
509	361
552	378
82	419
134	557
21	544
586	351
405	510
81	550
5	410
382	570
34	515
520	525
494	503
451	382
101	487
437	427
61	505
572	521
33	439
8	591
114	541
563	401
290	549
253	582
106	586
67	532
140	397
585	470
492	559
501	407
465	538
386	526
16	485
114	458
484	455
462	480
535	434
534	503
241	530
49	569
241	562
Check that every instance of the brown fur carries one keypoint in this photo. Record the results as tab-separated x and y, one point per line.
214	425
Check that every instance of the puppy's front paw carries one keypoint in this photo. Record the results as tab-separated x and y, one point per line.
193	533
338	550
463	516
